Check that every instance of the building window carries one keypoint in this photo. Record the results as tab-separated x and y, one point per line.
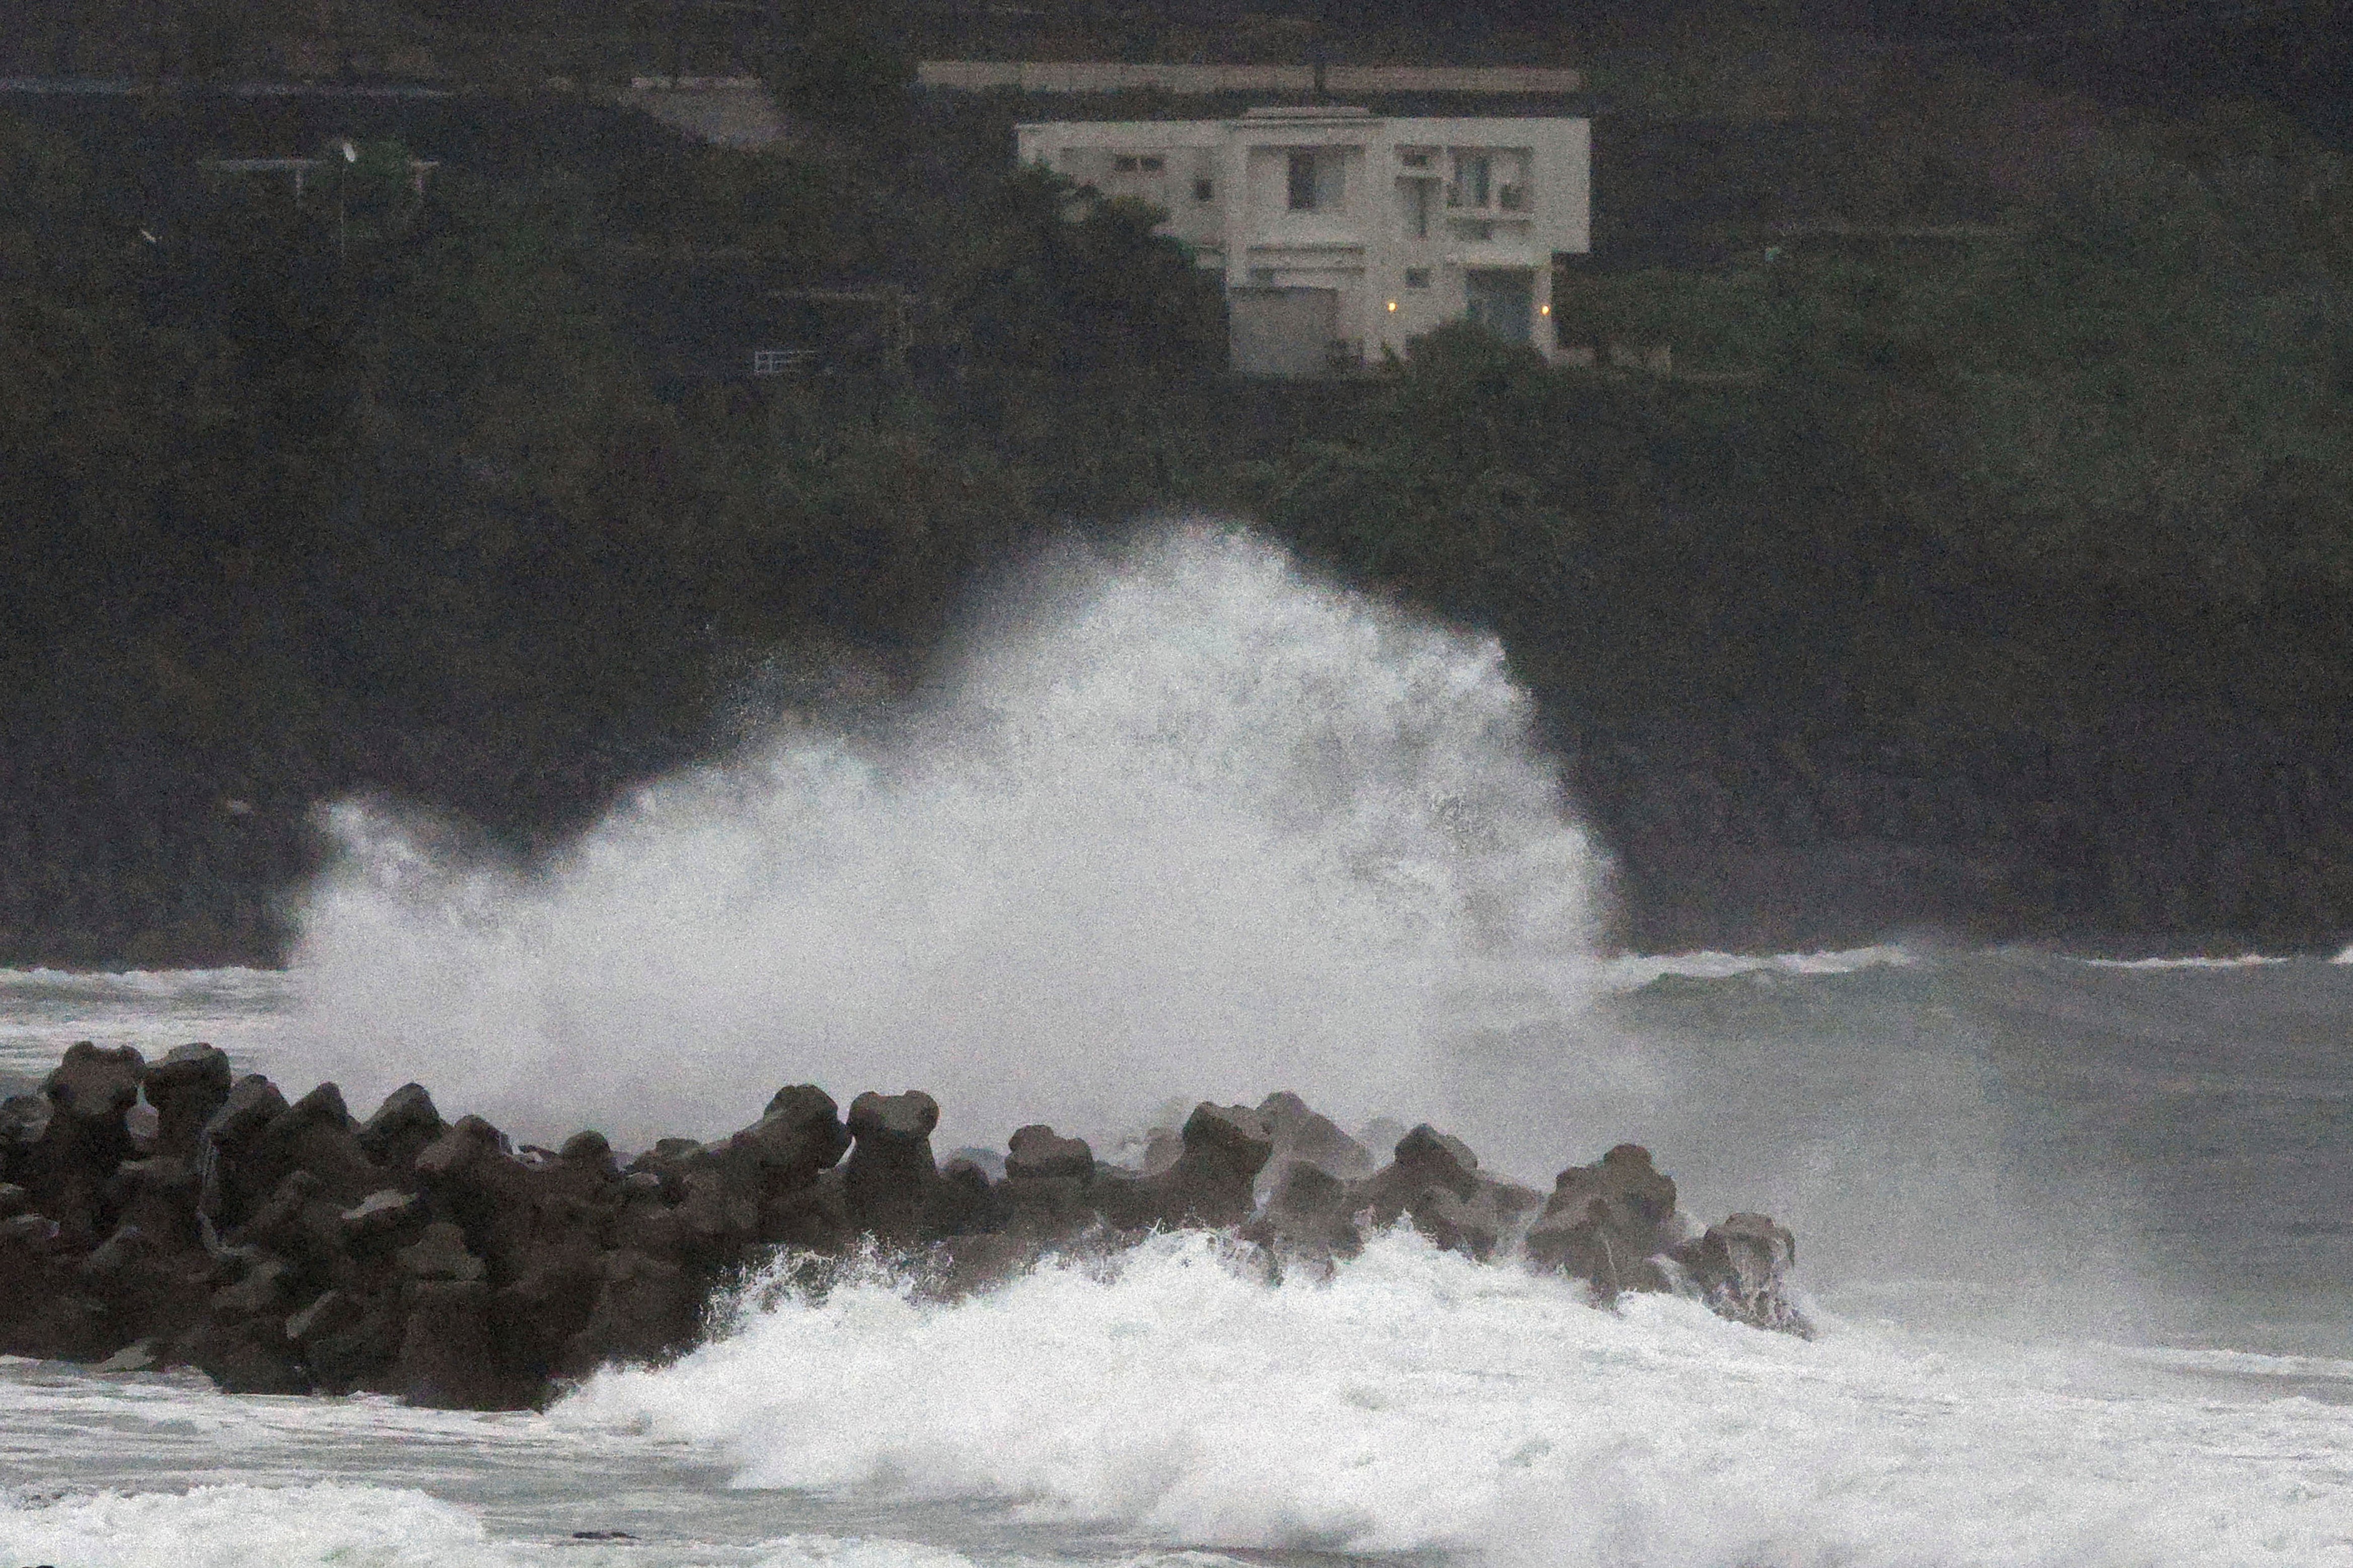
1152	164
1301	187
1414	160
1123	163
1417	277
1416	195
1261	277
1474	175
1204	190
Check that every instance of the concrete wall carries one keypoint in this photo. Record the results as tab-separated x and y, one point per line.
1102	76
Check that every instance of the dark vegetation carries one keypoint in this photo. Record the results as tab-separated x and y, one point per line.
1996	576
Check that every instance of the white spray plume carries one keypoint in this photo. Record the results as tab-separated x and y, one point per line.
1185	821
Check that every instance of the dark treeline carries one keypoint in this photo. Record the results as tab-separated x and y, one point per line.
2002	583
2156	55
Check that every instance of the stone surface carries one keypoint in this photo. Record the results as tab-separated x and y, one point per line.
403	1127
800	1134
361	1356
591	1152
24	1120
1427	1166
716	1219
1302	1134
815	1218
904	1117
1741	1269
29	1235
1309	1213
95	1084
235	1180
317	1134
69	1167
647	1308
554	1293
968	1201
378	1217
299	1220
186	1088
445	1357
139	1355
251	1104
1607	1223
890	1183
139	1281
1212	1182
159	1195
333	1312
1481	1227
473	1179
246	1356
458	1153
261	1291
440	1254
282	1247
1035	1153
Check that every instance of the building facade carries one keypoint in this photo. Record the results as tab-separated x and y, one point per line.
1340	233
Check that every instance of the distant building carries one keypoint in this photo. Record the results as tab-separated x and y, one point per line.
1106	75
1341	232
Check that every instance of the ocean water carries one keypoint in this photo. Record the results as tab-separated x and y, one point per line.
42	1011
2101	1319
1185	822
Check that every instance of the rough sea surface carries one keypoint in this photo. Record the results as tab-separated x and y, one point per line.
1186	824
2101	1320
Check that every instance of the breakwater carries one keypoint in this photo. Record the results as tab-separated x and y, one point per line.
171	1214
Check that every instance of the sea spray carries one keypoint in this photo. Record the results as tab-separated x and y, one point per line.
1181	820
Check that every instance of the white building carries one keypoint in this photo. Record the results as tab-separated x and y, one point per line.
1341	232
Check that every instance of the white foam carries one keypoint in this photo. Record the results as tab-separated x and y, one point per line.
830	1551
2243	961
146	984
240	1526
1632	970
1200	826
342	1525
1419	1401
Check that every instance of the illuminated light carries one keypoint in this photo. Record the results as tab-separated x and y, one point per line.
1393	304
1541	309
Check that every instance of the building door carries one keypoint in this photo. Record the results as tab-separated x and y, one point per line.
1284	332
1503	300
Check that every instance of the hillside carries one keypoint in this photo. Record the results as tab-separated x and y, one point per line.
1999	581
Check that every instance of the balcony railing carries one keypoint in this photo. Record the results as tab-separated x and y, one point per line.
1515	199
